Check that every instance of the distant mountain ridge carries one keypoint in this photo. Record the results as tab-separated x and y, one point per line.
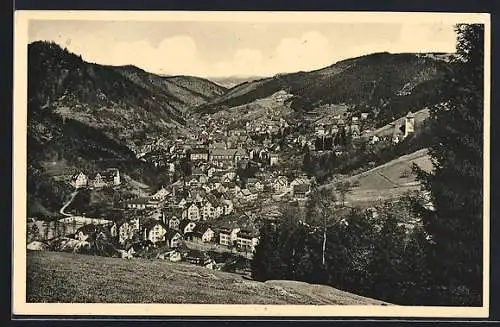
388	85
232	81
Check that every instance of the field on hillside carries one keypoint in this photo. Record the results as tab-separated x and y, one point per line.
66	277
390	180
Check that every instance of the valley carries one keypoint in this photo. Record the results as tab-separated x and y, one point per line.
179	172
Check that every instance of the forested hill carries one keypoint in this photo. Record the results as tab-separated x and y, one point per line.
80	113
119	100
388	85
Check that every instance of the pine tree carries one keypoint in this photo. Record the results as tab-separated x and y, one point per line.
266	263
385	263
456	222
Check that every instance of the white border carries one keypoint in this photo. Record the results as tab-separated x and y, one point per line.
20	307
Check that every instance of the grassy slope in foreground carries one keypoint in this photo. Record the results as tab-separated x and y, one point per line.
66	277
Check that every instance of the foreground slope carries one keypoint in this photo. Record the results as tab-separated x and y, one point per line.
64	277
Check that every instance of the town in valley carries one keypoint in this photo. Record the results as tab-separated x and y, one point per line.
310	175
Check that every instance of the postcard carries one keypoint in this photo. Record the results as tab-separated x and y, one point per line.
278	164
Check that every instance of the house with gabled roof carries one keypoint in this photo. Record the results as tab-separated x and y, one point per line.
207	210
199	154
187	226
246	195
227	236
79	180
138	203
96	181
192	212
161	194
154	230
174	222
127	229
199	258
201	233
280	184
173	238
247	240
255	184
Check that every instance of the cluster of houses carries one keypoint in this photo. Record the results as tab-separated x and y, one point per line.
98	179
173	231
339	125
205	198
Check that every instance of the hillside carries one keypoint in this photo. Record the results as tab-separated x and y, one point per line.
182	92
66	277
122	101
386	85
87	116
59	147
390	180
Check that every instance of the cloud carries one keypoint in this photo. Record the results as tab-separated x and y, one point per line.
173	55
311	50
426	38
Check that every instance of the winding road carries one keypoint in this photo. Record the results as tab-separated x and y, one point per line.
61	211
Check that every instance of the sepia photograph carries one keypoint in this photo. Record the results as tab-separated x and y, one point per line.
251	163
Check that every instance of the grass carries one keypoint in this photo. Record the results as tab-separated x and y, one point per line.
55	277
386	181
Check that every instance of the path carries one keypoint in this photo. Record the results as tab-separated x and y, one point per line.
61	211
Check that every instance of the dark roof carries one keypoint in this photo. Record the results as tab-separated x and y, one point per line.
211	198
88	229
246	235
230	184
149	224
109	173
172	211
184	223
201	227
216	193
138	201
301	187
193	234
199	150
192	253
223	152
171	233
139	245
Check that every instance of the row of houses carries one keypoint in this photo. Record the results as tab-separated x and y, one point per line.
173	231
106	178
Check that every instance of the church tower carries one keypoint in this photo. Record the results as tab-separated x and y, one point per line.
409	124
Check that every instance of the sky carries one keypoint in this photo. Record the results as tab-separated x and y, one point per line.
223	49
